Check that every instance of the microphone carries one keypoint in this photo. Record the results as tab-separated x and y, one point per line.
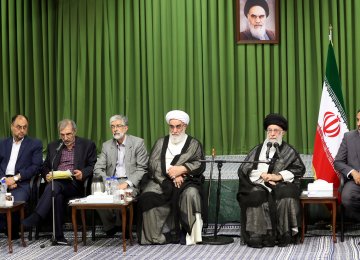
59	147
269	145
276	145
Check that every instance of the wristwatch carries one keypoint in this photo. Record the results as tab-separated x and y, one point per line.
16	178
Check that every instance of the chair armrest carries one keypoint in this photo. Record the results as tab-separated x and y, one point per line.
87	185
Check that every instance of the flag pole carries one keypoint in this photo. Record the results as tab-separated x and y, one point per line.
330	34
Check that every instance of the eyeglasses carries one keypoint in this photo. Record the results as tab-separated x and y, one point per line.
178	127
117	126
276	131
19	127
63	135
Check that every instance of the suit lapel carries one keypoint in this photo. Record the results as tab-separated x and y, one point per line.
8	145
22	148
356	139
127	158
77	153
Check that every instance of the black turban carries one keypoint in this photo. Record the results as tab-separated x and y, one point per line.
276	119
251	3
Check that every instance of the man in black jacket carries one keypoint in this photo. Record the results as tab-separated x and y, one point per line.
70	153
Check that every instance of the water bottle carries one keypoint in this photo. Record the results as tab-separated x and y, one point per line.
3	190
108	185
114	184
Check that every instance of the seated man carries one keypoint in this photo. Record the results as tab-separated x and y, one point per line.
78	155
171	200
269	192
20	160
125	157
347	163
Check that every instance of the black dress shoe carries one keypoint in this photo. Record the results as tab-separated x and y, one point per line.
255	242
284	240
32	220
111	232
62	241
268	242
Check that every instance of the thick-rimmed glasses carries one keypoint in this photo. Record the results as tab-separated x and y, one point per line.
117	126
275	131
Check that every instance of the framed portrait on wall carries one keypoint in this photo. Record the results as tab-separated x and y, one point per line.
257	21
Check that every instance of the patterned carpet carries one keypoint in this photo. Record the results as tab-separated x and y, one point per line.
318	244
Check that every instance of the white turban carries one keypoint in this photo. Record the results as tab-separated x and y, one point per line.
178	115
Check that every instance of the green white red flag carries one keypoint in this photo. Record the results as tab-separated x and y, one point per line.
331	125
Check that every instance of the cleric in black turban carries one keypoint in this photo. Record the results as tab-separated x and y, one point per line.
276	119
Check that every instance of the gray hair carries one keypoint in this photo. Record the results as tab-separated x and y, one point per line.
119	117
65	122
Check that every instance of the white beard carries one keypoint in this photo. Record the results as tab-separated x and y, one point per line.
277	140
118	136
175	139
258	33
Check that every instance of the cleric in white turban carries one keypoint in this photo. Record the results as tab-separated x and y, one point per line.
179	115
171	202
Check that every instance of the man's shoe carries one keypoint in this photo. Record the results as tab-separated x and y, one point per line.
268	242
284	240
33	220
111	232
62	241
255	242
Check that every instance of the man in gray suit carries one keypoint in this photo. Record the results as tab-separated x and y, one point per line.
347	162
125	157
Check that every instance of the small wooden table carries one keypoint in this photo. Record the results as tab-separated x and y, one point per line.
18	206
84	205
304	199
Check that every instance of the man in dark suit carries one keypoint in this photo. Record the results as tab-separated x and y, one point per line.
347	162
71	153
20	160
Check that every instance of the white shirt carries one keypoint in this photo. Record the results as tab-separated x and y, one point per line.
10	169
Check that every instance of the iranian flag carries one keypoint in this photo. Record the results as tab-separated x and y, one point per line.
331	125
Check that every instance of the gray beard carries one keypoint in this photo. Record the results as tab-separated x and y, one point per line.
258	33
175	139
118	136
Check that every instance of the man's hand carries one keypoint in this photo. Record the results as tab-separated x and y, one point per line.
11	187
48	177
9	181
175	171
267	177
356	176
78	175
123	186
178	181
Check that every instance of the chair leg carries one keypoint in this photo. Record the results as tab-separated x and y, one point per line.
30	233
93	225
36	233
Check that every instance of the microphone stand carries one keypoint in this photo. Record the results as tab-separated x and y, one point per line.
210	180
54	242
221	240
